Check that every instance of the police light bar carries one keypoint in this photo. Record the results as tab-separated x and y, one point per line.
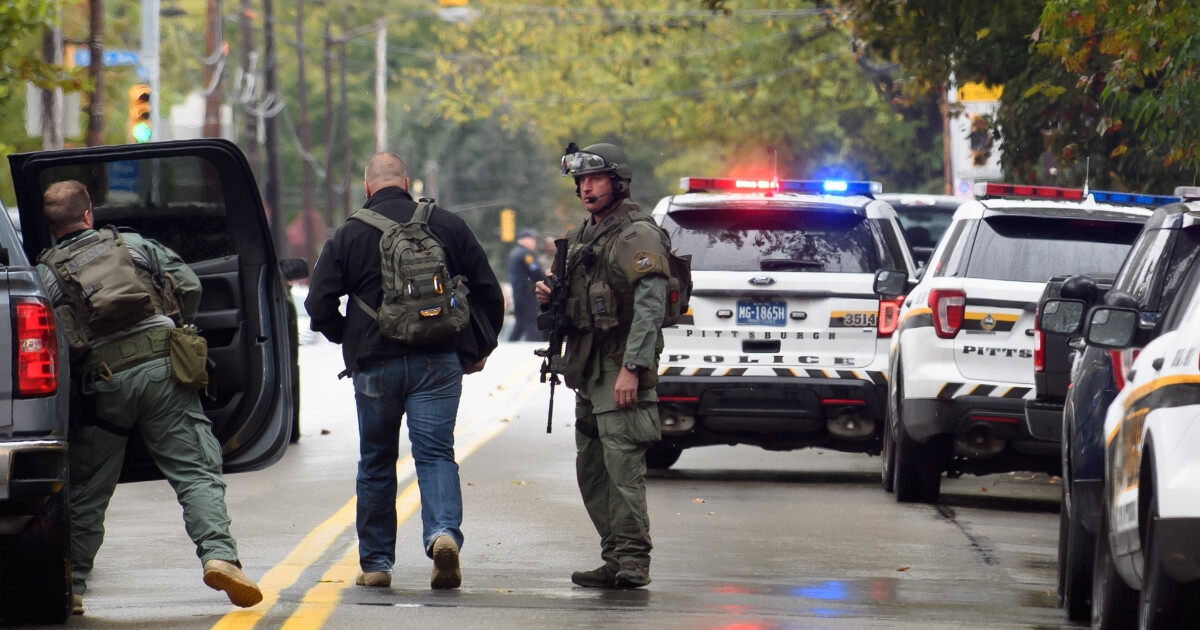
828	187
1105	196
831	187
993	189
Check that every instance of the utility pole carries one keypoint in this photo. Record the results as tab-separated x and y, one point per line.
305	141
250	123
95	128
52	101
271	127
212	100
331	124
380	85
345	124
149	60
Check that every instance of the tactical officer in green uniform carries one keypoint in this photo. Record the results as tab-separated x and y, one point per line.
119	298
617	298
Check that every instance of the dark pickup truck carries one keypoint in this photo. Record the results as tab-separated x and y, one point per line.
1054	354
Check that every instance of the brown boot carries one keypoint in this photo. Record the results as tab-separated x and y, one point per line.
632	575
602	577
226	576
446	572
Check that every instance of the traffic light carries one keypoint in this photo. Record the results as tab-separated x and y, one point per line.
508	225
452	3
139	113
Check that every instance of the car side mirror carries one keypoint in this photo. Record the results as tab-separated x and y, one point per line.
1112	327
293	268
1061	317
891	283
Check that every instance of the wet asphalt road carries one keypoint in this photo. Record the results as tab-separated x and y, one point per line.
744	539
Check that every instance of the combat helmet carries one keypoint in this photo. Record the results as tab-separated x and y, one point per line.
599	158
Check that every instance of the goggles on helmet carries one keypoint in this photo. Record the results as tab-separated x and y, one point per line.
573	163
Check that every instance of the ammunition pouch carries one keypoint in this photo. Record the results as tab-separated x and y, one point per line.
127	352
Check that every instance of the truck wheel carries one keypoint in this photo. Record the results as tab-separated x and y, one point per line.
662	457
892	412
294	341
35	568
1075	544
918	474
1113	602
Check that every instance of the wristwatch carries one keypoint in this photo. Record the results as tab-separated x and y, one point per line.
632	367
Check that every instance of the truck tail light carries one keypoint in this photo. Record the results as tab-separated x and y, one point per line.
889	316
948	306
1122	361
36	346
1039	346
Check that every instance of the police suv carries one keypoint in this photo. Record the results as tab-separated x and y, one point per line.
785	344
961	363
1149	530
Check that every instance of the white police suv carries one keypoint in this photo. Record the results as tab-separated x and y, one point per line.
1149	531
962	359
785	344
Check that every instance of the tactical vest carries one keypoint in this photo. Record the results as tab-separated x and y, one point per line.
103	289
600	300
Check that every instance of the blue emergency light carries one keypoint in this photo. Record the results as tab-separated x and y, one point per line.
830	187
1141	199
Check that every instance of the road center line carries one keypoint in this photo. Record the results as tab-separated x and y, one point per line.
314	545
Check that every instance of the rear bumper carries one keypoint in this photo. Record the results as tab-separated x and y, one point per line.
1179	540
30	471
772	412
990	434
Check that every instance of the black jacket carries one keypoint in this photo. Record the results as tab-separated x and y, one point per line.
350	264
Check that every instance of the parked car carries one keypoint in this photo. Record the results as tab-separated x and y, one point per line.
1147	554
924	219
784	346
962	357
199	198
1149	279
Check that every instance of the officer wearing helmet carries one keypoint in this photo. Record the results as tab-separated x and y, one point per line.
617	291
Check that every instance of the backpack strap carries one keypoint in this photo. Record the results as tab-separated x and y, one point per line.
373	219
424	209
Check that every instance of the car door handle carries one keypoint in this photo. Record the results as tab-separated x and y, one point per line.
1029	332
1157	364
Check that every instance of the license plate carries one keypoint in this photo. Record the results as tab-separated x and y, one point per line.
754	313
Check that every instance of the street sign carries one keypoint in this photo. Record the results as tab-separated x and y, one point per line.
123	175
83	57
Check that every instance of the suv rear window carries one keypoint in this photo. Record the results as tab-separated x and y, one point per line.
1031	249
732	239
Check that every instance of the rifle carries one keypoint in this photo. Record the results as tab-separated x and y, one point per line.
553	317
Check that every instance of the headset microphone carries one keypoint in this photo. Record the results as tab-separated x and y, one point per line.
597	198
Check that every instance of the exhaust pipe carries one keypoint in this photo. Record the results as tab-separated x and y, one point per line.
850	426
674	422
979	442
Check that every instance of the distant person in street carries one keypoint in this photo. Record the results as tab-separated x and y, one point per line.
119	331
619	293
524	270
393	380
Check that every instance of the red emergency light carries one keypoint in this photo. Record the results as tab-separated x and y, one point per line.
695	184
993	189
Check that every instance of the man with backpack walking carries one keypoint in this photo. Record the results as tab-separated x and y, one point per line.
407	267
616	284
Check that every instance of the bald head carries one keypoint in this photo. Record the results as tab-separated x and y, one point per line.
384	170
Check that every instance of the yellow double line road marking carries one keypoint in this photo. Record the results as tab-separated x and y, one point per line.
319	602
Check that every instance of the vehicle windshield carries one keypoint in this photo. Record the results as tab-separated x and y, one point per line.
729	239
1031	249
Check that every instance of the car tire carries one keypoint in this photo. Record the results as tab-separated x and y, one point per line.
662	457
887	472
918	469
35	568
1075	546
1114	604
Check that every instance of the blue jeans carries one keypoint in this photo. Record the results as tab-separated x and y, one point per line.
426	388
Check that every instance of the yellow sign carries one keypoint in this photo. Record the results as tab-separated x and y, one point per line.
979	93
508	225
